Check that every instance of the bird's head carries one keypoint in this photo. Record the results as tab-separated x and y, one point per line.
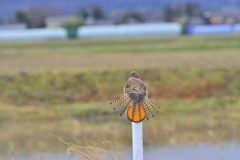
133	74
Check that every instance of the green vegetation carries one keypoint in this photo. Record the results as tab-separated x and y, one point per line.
61	88
188	121
48	89
103	110
126	46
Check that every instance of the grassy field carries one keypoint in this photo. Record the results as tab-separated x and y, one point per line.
61	88
50	89
160	53
13	64
188	121
125	46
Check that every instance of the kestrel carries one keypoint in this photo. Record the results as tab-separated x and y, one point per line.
135	95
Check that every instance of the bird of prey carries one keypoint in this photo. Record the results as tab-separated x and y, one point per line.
135	95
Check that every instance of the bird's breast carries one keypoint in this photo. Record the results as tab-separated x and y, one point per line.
137	97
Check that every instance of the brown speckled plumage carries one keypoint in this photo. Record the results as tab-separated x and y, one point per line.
135	95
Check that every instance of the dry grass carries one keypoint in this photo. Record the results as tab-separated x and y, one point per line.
159	53
90	150
189	121
173	61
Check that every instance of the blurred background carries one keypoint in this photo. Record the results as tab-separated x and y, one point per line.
61	60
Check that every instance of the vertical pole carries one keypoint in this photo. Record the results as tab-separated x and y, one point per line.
137	141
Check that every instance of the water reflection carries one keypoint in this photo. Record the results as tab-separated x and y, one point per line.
190	152
179	152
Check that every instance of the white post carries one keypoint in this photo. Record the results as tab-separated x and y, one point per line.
137	141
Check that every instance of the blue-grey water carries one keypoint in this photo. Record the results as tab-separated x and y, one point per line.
229	151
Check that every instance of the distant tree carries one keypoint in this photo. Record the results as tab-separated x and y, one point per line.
178	10
192	9
97	12
72	22
83	13
168	13
94	11
21	17
197	9
135	15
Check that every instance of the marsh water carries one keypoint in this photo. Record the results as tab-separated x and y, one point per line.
222	151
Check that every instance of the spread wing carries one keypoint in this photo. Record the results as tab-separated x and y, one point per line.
135	95
136	90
